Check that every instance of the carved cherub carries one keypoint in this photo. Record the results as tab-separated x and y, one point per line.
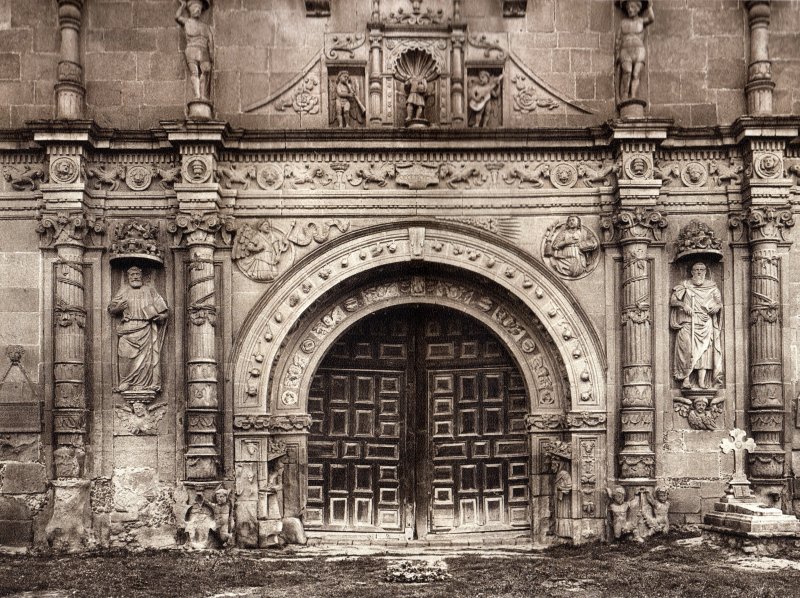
138	418
223	516
700	412
656	518
482	91
620	513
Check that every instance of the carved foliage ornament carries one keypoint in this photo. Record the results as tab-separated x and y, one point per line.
272	423
136	238
698	239
764	223
303	98
66	227
639	223
525	96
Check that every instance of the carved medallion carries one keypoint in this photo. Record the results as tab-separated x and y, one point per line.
64	170
197	169
270	177
571	249
139	178
694	174
639	166
768	166
563	176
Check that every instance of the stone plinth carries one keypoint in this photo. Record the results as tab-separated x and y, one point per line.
750	518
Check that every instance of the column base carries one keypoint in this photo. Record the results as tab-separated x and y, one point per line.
200	110
631	108
68	529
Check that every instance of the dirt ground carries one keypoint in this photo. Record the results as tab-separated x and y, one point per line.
669	568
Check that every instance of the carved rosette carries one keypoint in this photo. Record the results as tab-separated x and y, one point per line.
766	226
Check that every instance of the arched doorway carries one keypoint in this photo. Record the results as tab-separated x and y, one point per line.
296	324
418	427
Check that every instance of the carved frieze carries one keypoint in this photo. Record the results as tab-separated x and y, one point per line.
272	423
25	177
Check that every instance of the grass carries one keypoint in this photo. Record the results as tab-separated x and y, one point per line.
657	569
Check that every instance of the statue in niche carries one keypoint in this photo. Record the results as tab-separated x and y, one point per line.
199	51
416	93
560	458
624	514
630	50
347	106
571	249
483	93
416	70
140	334
695	306
656	517
282	529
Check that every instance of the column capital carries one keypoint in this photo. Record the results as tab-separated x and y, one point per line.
66	227
199	227
763	224
633	225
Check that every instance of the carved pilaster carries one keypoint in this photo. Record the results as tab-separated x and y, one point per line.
760	85
765	226
70	91
203	434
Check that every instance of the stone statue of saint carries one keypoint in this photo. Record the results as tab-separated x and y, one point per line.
141	333
562	486
695	306
630	50
417	91
570	249
347	105
482	91
199	46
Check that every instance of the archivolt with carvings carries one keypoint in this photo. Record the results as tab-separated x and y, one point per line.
499	264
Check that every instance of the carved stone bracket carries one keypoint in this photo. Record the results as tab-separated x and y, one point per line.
273	424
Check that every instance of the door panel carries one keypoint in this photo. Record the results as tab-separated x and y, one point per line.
418	422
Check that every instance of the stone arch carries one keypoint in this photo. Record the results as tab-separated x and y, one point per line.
496	262
288	332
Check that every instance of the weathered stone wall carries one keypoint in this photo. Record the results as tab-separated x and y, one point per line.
135	74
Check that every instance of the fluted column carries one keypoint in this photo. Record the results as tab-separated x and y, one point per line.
760	85
69	90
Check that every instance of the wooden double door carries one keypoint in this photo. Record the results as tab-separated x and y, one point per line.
418	427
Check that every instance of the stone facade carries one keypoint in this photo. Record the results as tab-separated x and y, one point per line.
194	214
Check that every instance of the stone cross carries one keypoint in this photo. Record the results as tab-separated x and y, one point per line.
740	443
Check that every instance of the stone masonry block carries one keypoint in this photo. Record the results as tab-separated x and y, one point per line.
684	500
713	490
13	509
9	66
701	441
694	466
16	533
23	478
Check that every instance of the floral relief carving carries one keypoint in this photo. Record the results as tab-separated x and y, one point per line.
525	96
304	98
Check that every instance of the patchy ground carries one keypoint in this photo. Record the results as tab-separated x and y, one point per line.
671	568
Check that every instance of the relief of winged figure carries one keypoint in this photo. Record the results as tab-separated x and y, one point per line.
139	418
700	412
109	176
